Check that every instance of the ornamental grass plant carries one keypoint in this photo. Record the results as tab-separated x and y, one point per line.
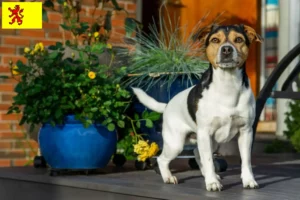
167	53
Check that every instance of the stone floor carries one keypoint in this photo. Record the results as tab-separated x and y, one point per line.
277	174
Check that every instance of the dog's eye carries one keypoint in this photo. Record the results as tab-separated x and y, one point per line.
238	40
215	40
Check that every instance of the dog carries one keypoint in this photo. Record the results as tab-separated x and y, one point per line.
218	108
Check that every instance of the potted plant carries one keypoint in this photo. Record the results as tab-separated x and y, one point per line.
78	102
76	97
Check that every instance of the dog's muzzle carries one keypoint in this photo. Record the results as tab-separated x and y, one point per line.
227	56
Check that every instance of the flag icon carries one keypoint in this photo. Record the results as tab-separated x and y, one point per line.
22	15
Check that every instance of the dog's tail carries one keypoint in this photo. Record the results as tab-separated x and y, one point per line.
148	101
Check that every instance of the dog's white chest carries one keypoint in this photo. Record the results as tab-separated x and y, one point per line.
224	129
224	110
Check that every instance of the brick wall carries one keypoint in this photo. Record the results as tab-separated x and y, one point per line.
16	147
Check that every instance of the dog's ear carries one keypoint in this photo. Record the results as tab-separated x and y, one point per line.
203	33
251	34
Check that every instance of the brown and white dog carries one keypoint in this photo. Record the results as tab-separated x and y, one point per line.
218	108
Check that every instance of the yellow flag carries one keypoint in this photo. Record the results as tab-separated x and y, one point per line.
22	15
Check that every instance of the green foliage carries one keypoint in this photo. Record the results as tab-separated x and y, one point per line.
278	146
44	15
48	4
131	25
52	87
164	54
292	121
125	146
295	140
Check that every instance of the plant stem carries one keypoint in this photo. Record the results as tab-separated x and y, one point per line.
111	60
134	130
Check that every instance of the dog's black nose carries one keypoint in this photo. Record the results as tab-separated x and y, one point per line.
227	50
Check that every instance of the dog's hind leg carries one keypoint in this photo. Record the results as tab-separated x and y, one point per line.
173	145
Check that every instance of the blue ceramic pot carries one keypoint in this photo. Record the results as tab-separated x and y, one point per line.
71	146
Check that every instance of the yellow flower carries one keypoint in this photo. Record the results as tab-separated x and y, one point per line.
32	52
141	147
109	46
143	143
26	50
92	75
65	4
143	157
96	34
36	47
41	46
153	149
137	149
145	151
73	55
15	70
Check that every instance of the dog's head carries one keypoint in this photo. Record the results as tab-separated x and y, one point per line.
227	47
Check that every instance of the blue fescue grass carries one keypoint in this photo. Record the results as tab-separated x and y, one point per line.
165	55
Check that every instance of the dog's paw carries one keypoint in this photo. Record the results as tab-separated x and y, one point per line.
213	187
171	180
218	177
214	184
250	184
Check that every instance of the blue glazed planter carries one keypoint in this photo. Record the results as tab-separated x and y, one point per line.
71	146
161	93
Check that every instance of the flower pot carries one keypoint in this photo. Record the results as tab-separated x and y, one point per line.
73	147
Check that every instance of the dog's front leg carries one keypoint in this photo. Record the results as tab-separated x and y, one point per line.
206	155
245	143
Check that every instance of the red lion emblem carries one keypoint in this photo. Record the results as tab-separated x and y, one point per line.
15	14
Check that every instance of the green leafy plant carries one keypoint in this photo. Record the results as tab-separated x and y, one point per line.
292	121
52	87
165	54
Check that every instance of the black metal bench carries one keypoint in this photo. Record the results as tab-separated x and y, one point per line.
286	89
